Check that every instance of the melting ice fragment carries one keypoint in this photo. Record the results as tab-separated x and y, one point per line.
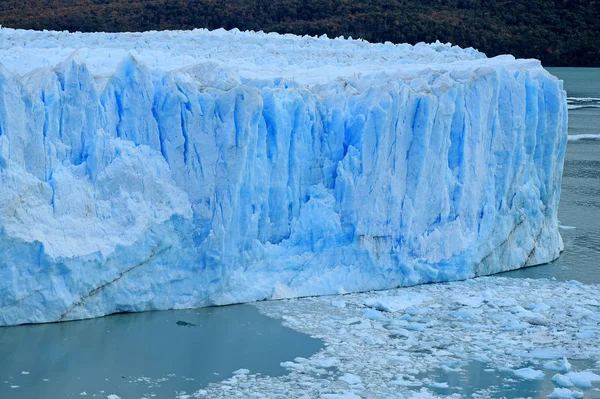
563	366
583	379
564	393
529	374
397	302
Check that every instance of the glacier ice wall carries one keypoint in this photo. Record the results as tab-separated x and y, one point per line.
184	169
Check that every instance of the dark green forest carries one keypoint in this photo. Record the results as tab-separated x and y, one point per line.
558	32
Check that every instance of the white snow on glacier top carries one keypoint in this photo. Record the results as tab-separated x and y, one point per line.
241	55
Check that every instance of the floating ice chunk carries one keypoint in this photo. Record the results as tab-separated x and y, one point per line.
548	354
515	325
539	307
583	379
241	372
586	334
471	301
562	381
582	106
582	99
338	304
416	327
439	385
351	379
576	137
291	365
449	369
346	395
564	393
529	374
397	359
25	372
396	303
466	314
580	312
590	302
374	315
406	380
324	363
351	321
505	302
563	366
113	396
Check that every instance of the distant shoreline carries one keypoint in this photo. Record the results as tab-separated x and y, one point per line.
560	34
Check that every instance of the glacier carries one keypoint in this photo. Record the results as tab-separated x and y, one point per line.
162	170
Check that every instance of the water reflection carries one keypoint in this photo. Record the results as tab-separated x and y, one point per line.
134	354
475	377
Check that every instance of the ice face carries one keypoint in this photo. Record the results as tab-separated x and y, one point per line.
182	169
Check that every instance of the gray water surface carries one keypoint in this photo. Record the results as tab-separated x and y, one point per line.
141	354
579	82
475	377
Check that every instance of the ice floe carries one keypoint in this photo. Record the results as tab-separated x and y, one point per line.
387	357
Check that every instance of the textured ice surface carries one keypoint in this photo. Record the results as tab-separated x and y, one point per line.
181	169
529	374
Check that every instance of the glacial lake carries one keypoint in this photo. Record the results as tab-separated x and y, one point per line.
163	354
151	354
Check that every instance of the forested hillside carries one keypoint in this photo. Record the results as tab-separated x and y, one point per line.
559	32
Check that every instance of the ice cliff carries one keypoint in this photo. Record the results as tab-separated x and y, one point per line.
183	169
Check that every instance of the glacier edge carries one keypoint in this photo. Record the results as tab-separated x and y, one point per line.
153	189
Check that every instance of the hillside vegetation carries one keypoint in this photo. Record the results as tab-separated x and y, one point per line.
558	32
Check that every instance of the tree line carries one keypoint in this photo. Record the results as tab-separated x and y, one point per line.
558	32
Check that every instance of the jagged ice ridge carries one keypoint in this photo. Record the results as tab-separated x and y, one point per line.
180	169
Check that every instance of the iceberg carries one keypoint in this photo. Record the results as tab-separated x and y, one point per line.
179	169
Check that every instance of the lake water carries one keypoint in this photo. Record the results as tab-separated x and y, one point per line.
583	98
162	354
151	354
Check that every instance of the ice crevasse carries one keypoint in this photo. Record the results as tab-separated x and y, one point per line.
166	170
